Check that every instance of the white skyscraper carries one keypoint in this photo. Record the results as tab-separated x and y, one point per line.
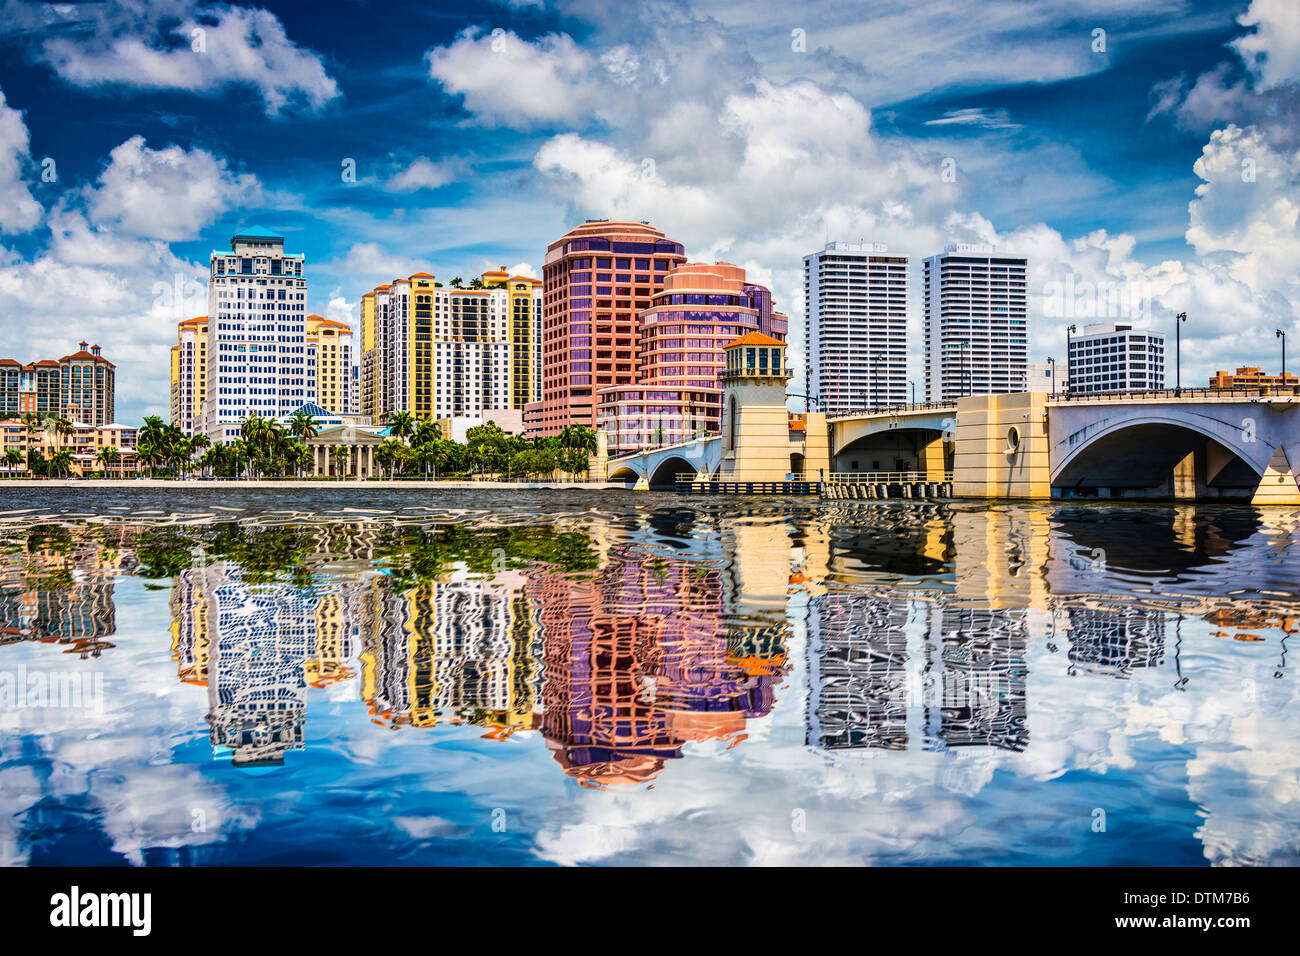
974	304
257	351
855	347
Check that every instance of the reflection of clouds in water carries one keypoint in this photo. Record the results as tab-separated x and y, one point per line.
1235	758
115	765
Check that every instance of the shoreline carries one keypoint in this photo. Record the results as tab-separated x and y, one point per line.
143	484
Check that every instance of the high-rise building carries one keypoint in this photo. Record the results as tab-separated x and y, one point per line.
596	280
975	309
855	304
678	394
1110	358
257	339
329	344
447	351
80	387
189	388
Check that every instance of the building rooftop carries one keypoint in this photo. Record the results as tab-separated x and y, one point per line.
754	338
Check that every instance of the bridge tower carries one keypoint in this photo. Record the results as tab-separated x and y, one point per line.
755	424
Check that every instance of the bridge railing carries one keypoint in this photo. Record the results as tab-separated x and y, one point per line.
1202	392
884	477
892	409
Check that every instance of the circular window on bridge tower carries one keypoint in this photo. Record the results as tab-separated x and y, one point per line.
1013	440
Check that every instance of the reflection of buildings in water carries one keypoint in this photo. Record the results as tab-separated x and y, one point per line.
882	680
1114	641
857	672
1243	623
464	648
59	588
638	662
980	666
262	636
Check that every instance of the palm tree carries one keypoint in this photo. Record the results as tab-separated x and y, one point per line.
35	461
302	425
108	456
199	444
401	425
580	437
389	454
61	462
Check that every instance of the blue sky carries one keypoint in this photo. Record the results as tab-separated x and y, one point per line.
1158	158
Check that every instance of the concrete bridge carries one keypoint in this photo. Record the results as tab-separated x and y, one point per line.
1190	443
1200	443
659	467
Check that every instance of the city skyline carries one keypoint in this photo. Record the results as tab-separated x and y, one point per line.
1180	154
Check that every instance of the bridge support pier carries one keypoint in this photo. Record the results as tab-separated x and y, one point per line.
1278	486
1002	447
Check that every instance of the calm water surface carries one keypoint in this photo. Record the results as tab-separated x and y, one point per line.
603	678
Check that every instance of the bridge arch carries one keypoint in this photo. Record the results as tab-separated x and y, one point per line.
624	473
665	472
1141	451
903	448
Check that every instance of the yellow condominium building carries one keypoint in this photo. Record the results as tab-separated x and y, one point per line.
330	348
189	361
446	351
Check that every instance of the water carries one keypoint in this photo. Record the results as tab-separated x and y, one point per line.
608	678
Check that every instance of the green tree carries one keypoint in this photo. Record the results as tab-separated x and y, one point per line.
108	456
401	425
302	425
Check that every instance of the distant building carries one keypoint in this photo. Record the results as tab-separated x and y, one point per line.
330	352
442	351
855	308
678	393
257	339
84	441
975	313
1046	377
509	420
189	374
80	387
1250	376
596	279
1116	358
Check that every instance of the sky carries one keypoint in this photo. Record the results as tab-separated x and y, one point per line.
1143	154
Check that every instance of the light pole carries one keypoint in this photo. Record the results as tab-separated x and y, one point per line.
913	385
1069	359
1051	362
1282	335
1179	319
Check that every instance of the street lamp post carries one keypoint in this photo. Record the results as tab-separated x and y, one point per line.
913	385
1179	319
1051	362
1282	335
